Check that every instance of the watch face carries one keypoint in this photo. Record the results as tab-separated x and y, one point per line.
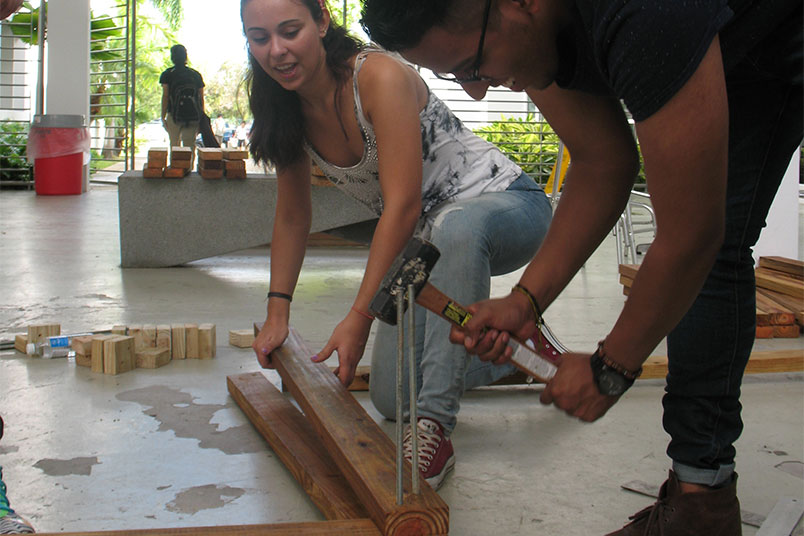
611	383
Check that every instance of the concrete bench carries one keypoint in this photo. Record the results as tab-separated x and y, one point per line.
168	222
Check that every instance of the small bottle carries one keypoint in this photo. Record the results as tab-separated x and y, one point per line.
57	346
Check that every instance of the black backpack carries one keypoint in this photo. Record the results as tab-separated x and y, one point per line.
184	104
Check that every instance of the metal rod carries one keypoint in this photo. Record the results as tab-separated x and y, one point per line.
400	425
414	421
40	74
133	31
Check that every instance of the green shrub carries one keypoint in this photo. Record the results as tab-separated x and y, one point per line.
13	162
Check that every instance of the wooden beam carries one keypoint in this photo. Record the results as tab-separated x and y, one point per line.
362	451
293	440
779	282
353	527
793	267
758	363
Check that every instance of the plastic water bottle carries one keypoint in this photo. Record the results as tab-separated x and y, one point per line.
56	346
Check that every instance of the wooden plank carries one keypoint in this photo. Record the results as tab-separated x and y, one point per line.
361	450
786	331
207	347
783	518
779	282
793	267
293	440
758	363
628	270
352	527
209	153
777	315
788	302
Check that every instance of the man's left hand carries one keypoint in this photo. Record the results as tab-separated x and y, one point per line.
574	390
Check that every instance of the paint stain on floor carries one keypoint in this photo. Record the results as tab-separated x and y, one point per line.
199	498
74	466
178	412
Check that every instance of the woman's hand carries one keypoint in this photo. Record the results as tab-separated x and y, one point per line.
271	337
349	340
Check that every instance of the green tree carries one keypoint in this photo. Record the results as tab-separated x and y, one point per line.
225	92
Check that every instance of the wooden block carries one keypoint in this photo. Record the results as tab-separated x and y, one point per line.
82	345
118	354
83	360
181	153
235	174
764	332
209	153
97	351
21	343
626	281
788	302
350	527
241	338
119	330
206	341
779	282
163	336
362	451
777	314
158	151
235	154
763	318
191	332
788	331
211	173
136	332
152	358
628	270
234	165
210	164
174	172
153	172
792	267
179	341
295	443
38	333
149	336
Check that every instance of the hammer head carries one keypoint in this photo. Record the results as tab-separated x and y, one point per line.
411	267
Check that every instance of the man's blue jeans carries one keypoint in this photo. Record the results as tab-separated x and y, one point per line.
492	234
709	349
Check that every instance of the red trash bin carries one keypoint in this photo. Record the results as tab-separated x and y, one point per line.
58	146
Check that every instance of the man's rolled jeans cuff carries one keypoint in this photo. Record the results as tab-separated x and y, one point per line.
705	477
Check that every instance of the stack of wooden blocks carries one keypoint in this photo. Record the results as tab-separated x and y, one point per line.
780	295
234	163
181	160
157	162
217	163
127	348
210	163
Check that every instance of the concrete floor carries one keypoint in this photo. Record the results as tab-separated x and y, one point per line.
169	448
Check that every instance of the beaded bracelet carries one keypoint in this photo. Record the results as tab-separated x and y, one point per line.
535	306
282	295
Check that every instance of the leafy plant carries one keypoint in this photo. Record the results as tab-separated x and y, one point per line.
13	162
527	141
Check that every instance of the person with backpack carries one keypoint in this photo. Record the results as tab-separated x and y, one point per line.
182	99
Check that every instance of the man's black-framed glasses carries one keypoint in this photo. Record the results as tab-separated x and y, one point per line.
475	69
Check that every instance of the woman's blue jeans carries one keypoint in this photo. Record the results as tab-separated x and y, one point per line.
709	349
492	234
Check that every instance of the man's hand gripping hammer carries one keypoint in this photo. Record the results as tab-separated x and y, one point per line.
538	356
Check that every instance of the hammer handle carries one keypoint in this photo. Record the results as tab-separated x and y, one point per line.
538	356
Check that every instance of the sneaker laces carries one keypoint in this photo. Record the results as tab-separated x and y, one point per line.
428	438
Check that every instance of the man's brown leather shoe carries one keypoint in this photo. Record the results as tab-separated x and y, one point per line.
711	513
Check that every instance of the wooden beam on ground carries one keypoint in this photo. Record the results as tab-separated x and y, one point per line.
792	267
353	527
293	440
758	363
363	452
779	282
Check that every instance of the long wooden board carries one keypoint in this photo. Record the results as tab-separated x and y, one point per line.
778	315
788	302
363	452
293	440
759	362
779	282
792	267
354	527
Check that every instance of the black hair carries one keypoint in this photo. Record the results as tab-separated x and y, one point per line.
178	55
397	25
277	133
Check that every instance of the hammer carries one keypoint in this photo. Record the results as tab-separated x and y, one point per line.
538	356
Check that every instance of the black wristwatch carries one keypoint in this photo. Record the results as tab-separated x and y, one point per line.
611	379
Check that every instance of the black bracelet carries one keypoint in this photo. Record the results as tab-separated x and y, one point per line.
537	312
282	295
